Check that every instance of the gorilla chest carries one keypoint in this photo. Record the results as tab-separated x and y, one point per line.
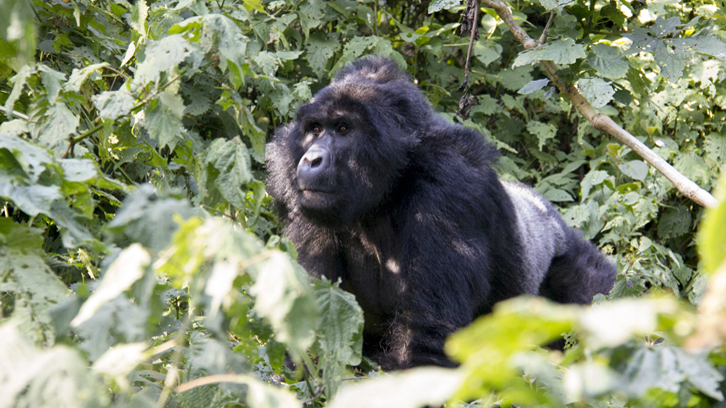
372	273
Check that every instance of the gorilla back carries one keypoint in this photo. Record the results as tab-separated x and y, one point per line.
377	189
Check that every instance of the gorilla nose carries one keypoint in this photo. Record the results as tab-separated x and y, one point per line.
313	163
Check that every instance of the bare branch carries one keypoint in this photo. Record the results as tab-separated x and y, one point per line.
601	122
506	15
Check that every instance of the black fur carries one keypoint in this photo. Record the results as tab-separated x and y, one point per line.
406	210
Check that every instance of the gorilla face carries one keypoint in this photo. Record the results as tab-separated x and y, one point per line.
345	163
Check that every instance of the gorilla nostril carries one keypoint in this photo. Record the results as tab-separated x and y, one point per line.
316	162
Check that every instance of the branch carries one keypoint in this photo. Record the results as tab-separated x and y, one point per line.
601	122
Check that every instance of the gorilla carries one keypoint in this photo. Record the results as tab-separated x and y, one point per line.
376	189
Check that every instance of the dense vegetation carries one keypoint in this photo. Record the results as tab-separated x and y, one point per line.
140	264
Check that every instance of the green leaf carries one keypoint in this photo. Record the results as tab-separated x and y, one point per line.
340	319
123	272
705	44
19	236
59	123
22	264
356	47
674	222
267	62
671	62
16	127
254	5
596	91
438	5
114	104
557	195
712	232
576	215
73	232
163	120
417	387
78	170
543	131
40	378
32	159
312	14
229	39
284	298
515	79
79	76
148	219
635	169
138	16
260	394
487	51
320	50
118	362
52	81
288	55
340	327
32	200
535	85
563	51
232	160
693	167
591	179
608	62
550	5
488	345
18	80
164	55
666	367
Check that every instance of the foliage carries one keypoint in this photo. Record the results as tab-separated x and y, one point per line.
138	251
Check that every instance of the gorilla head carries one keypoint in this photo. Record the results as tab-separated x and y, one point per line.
350	143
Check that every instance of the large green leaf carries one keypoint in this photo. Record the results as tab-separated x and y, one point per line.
608	63
438	5
163	119
563	51
340	330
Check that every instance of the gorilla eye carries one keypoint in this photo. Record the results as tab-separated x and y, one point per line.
317	129
342	129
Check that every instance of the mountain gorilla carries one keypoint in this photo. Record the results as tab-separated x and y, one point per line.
376	189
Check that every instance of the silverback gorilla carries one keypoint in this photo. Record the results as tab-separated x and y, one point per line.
378	190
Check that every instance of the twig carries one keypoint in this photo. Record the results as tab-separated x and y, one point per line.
543	37
474	31
172	373
601	122
14	113
216	211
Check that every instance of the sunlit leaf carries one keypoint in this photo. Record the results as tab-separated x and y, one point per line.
418	387
125	270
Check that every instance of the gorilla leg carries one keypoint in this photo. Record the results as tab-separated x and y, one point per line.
579	273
